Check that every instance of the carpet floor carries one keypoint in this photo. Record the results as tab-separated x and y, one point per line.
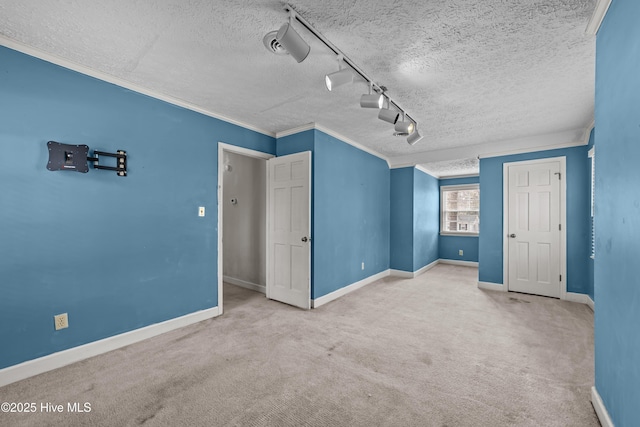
429	351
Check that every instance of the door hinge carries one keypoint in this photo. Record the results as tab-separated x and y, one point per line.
561	277
559	175
560	227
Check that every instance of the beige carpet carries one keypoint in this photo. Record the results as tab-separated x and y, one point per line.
430	351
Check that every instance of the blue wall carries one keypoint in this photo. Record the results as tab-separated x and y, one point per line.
401	247
415	209
578	215
617	287
426	219
114	253
448	246
351	218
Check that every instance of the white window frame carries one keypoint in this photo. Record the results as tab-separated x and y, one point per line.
460	187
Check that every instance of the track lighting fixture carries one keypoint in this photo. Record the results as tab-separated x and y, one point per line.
287	40
292	42
339	78
404	128
388	115
371	100
414	137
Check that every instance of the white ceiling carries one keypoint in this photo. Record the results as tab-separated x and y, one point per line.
480	77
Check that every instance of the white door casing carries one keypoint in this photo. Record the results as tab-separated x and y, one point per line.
534	218
288	230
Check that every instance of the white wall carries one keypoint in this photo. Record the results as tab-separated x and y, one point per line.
244	223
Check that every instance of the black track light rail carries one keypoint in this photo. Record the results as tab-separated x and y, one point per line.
377	88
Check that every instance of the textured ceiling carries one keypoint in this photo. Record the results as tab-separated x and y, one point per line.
478	76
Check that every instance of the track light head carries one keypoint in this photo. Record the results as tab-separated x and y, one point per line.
338	78
371	100
404	128
289	39
389	115
414	137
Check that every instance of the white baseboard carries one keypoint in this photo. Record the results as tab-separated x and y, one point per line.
492	286
601	410
410	275
245	284
581	298
401	273
53	361
426	268
315	303
458	262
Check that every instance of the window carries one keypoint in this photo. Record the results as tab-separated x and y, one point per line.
592	156
460	209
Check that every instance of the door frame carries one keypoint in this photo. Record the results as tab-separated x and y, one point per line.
222	147
563	219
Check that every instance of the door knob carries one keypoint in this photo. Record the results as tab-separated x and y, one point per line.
305	239
513	236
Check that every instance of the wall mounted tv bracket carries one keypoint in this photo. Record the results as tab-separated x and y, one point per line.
75	158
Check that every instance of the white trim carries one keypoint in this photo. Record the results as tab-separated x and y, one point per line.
602	6
601	410
580	298
469	175
45	56
222	147
551	141
427	171
315	303
425	268
459	234
295	130
535	149
492	286
401	273
244	284
563	218
336	135
410	275
57	360
458	262
591	152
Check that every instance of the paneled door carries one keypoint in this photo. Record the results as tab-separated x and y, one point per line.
289	228
534	228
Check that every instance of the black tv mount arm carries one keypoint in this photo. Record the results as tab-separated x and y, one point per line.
121	161
75	158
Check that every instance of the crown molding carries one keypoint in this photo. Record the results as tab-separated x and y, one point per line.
564	139
65	63
468	175
334	134
602	6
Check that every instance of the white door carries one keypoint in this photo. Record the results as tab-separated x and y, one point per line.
289	239
534	228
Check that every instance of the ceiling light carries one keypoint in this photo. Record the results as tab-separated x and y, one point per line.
292	42
388	115
371	100
414	137
338	78
404	128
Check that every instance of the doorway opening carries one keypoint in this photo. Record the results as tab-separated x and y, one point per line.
242	221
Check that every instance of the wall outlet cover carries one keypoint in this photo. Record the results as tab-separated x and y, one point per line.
61	321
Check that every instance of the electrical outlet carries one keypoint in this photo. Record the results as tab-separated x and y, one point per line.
61	321
362	266
460	252
201	211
